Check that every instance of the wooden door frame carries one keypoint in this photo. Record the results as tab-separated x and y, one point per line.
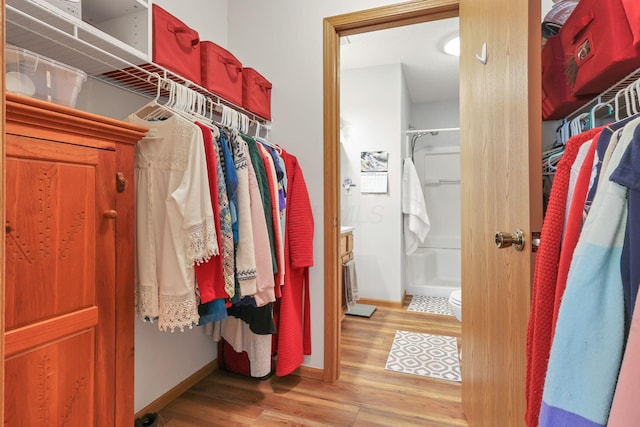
413	12
2	214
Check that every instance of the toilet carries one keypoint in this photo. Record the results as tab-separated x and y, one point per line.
455	302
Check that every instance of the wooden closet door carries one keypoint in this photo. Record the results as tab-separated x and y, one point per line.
60	284
501	190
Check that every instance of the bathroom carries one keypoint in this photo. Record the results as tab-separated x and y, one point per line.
392	102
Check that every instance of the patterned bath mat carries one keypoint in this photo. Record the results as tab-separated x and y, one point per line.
427	304
424	354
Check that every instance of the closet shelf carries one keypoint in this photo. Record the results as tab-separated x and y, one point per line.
41	28
608	95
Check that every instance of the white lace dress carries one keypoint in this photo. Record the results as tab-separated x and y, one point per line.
174	221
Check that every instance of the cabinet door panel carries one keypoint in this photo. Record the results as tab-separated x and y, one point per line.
60	284
50	239
52	385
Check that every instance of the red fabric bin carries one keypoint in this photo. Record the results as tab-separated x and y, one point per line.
231	361
256	93
598	39
175	46
558	100
632	10
221	72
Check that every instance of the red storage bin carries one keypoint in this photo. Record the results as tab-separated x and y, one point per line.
632	10
256	93
231	361
599	43
175	45
221	72
558	100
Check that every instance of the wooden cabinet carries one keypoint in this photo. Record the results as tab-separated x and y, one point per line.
69	283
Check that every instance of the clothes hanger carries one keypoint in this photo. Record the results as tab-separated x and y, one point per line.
154	110
244	122
616	104
577	124
629	99
592	113
566	131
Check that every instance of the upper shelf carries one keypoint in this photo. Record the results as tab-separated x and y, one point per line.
40	27
115	49
102	11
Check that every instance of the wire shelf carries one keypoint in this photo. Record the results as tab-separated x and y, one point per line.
44	30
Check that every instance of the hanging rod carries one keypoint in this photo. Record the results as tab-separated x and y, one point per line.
441	181
413	131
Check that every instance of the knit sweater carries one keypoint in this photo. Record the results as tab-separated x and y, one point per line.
586	351
573	227
544	280
294	336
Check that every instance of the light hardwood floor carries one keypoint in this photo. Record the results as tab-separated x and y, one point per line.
365	395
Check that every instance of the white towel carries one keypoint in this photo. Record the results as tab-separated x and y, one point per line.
416	220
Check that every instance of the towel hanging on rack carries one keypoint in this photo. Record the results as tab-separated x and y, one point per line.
416	220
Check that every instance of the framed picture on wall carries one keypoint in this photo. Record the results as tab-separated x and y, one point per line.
374	175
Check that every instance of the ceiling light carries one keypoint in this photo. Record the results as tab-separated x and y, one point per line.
452	47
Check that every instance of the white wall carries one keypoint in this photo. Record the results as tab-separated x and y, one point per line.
405	119
438	115
443	201
208	17
371	109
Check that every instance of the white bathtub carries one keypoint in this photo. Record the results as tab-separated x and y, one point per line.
433	271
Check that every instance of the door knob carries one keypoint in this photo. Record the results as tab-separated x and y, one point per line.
111	214
504	240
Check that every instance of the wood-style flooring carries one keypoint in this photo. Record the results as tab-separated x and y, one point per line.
365	395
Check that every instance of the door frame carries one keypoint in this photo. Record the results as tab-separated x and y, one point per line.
2	213
412	12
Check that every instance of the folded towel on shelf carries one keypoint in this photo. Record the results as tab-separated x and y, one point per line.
415	217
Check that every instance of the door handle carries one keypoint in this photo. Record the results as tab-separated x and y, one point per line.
504	240
110	214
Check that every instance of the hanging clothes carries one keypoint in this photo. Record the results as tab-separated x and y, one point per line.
175	228
265	195
294	332
591	318
226	225
245	251
544	279
209	274
272	179
625	410
264	293
573	225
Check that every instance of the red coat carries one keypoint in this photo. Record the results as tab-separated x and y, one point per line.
294	331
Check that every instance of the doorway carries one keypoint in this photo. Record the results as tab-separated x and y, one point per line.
334	28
